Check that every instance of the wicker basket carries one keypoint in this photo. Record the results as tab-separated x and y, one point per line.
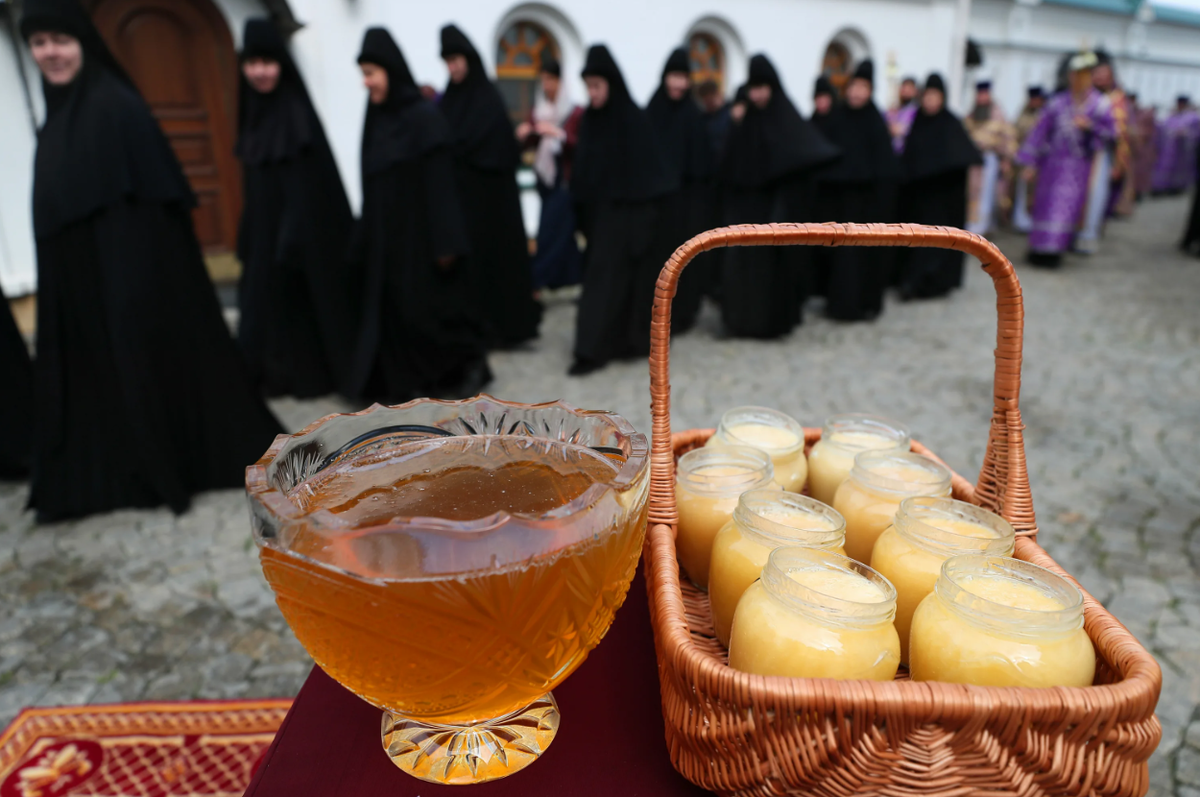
744	734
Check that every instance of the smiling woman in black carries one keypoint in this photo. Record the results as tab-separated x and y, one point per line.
140	397
486	156
420	334
297	327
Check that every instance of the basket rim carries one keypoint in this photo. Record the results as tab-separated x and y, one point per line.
1131	699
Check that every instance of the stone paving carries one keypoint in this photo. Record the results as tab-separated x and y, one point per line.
143	605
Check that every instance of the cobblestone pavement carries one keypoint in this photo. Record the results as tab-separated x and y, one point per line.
144	605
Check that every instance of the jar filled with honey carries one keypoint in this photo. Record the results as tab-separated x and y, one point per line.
843	438
708	484
815	614
994	621
763	521
878	482
780	436
927	532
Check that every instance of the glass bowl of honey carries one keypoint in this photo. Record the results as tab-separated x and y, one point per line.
452	562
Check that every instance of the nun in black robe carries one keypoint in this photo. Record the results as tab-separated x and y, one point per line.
937	154
486	156
859	187
420	332
297	326
619	182
16	397
768	175
690	209
1191	234
140	395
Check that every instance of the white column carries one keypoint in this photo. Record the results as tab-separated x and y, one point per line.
958	53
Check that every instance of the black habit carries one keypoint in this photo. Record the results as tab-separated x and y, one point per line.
619	181
486	156
140	396
420	332
298	324
768	176
16	397
937	154
859	187
690	208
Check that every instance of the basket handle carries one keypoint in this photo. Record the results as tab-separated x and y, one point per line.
1003	480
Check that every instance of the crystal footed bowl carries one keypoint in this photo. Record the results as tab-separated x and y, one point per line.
451	562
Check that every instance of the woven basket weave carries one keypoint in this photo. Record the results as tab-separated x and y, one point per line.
744	734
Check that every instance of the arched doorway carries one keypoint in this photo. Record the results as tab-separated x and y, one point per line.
180	54
707	58
847	48
518	64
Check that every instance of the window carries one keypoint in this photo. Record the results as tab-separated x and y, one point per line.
837	65
518	62
708	60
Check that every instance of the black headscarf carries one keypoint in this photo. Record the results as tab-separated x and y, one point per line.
277	126
823	86
478	118
939	143
863	135
405	125
100	144
680	125
618	156
775	141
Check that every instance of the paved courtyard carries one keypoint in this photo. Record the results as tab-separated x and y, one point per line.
142	605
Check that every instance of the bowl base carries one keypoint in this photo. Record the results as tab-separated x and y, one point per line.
464	754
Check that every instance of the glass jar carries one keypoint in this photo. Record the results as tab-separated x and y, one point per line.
815	614
927	532
878	482
842	439
779	435
993	621
708	484
763	521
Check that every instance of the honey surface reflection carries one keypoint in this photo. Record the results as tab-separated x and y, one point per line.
445	633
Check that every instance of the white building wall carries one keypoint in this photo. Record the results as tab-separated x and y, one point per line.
1022	44
17	140
794	33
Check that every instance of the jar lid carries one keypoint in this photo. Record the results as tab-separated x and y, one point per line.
946	526
726	471
856	431
762	428
901	473
782	518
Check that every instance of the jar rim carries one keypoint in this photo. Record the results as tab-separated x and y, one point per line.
780	585
934	477
755	466
864	422
953	588
911	523
759	416
751	520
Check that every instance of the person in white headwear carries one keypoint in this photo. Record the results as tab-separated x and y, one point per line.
551	132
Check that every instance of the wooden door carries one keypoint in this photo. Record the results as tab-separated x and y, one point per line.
180	54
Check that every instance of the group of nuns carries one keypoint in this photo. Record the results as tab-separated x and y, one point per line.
646	181
139	396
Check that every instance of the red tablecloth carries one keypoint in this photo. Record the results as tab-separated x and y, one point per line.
610	742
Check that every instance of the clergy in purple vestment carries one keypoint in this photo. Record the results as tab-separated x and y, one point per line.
1178	135
901	117
1061	151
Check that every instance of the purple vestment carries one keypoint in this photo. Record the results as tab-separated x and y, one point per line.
900	122
1177	138
1063	155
